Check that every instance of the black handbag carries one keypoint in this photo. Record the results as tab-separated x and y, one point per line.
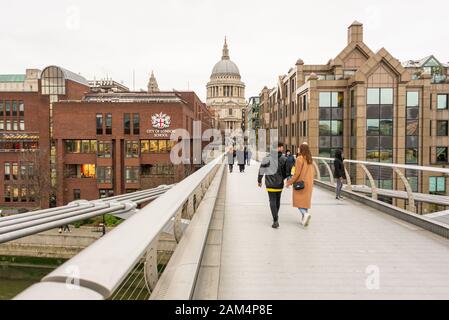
300	185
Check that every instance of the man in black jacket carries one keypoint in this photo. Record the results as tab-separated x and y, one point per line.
291	161
274	168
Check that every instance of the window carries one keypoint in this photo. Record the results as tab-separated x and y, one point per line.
442	101
442	128
14	108
108	123
136	124
15	171
7	171
87	171
80	171
80	146
132	174
76	194
104	175
2	112
437	185
379	125
106	193
411	156
127	123
132	149
331	122
8	108
8	194
21	109
331	99
104	149
412	99
156	146
230	112
157	170
442	154
99	123
412	129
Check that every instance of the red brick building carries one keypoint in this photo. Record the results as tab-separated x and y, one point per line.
59	141
26	149
107	144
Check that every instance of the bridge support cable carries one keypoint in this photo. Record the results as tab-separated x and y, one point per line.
35	222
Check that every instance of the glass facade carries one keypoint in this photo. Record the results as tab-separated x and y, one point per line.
53	81
412	130
379	133
330	123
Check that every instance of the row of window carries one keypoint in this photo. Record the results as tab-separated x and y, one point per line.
132	148
18	193
104	174
12	115
14	171
19	145
104	123
12	125
135	123
12	108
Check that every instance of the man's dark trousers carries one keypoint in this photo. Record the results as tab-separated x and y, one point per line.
275	204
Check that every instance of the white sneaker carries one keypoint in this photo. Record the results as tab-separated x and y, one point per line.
306	220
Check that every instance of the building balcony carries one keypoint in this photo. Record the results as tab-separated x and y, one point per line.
439	78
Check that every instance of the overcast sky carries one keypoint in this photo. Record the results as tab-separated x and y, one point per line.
181	40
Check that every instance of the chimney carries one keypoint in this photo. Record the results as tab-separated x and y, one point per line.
355	32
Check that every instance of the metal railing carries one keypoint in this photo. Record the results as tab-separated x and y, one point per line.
368	176
127	262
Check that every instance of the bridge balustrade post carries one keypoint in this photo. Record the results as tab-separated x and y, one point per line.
177	226
317	171
408	188
374	190
348	179
151	274
331	174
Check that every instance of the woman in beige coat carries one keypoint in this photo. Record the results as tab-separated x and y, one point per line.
305	171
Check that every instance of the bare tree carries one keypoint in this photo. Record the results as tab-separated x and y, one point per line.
37	177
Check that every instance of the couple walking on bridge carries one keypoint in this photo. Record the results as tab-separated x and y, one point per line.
276	170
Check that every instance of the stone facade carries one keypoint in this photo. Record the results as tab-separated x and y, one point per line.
371	106
226	93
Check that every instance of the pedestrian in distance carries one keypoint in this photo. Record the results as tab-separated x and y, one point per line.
339	173
302	183
230	157
274	169
290	163
249	156
241	160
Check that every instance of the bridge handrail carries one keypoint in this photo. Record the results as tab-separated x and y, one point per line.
391	165
104	265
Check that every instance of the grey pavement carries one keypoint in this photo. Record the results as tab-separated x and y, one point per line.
349	251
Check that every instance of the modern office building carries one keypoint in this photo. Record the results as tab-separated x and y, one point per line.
64	138
226	93
371	106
